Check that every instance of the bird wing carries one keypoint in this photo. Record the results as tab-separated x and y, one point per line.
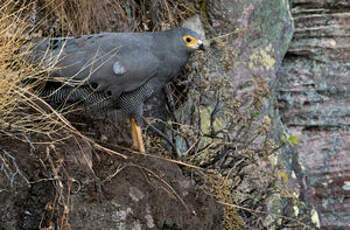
114	62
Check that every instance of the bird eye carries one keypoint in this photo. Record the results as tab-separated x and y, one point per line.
188	40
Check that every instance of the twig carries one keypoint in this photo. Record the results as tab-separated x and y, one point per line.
172	190
18	171
29	142
119	169
161	134
262	212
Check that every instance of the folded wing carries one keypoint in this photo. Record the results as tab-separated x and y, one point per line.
113	62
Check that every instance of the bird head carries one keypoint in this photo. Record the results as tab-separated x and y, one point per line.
193	33
185	39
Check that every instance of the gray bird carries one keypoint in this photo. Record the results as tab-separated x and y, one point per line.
117	70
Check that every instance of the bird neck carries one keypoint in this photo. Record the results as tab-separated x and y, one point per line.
169	48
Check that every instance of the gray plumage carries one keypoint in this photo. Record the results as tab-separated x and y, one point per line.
117	70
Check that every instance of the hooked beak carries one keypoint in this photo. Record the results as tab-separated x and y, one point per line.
201	46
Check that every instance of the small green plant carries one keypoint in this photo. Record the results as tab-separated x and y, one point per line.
291	140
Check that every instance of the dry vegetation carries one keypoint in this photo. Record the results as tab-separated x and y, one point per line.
229	140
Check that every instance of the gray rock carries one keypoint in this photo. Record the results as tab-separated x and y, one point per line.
313	94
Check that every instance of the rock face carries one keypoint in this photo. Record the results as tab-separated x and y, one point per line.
251	39
314	100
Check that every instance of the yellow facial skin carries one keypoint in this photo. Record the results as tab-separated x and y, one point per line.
192	42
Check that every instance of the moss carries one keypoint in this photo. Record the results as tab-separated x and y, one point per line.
262	58
222	191
205	116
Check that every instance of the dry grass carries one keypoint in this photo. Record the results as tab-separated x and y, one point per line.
21	110
16	98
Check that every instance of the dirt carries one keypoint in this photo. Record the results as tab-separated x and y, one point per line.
74	186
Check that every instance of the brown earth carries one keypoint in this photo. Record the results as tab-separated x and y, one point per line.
138	193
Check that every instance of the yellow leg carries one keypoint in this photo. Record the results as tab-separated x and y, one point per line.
133	134
137	141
